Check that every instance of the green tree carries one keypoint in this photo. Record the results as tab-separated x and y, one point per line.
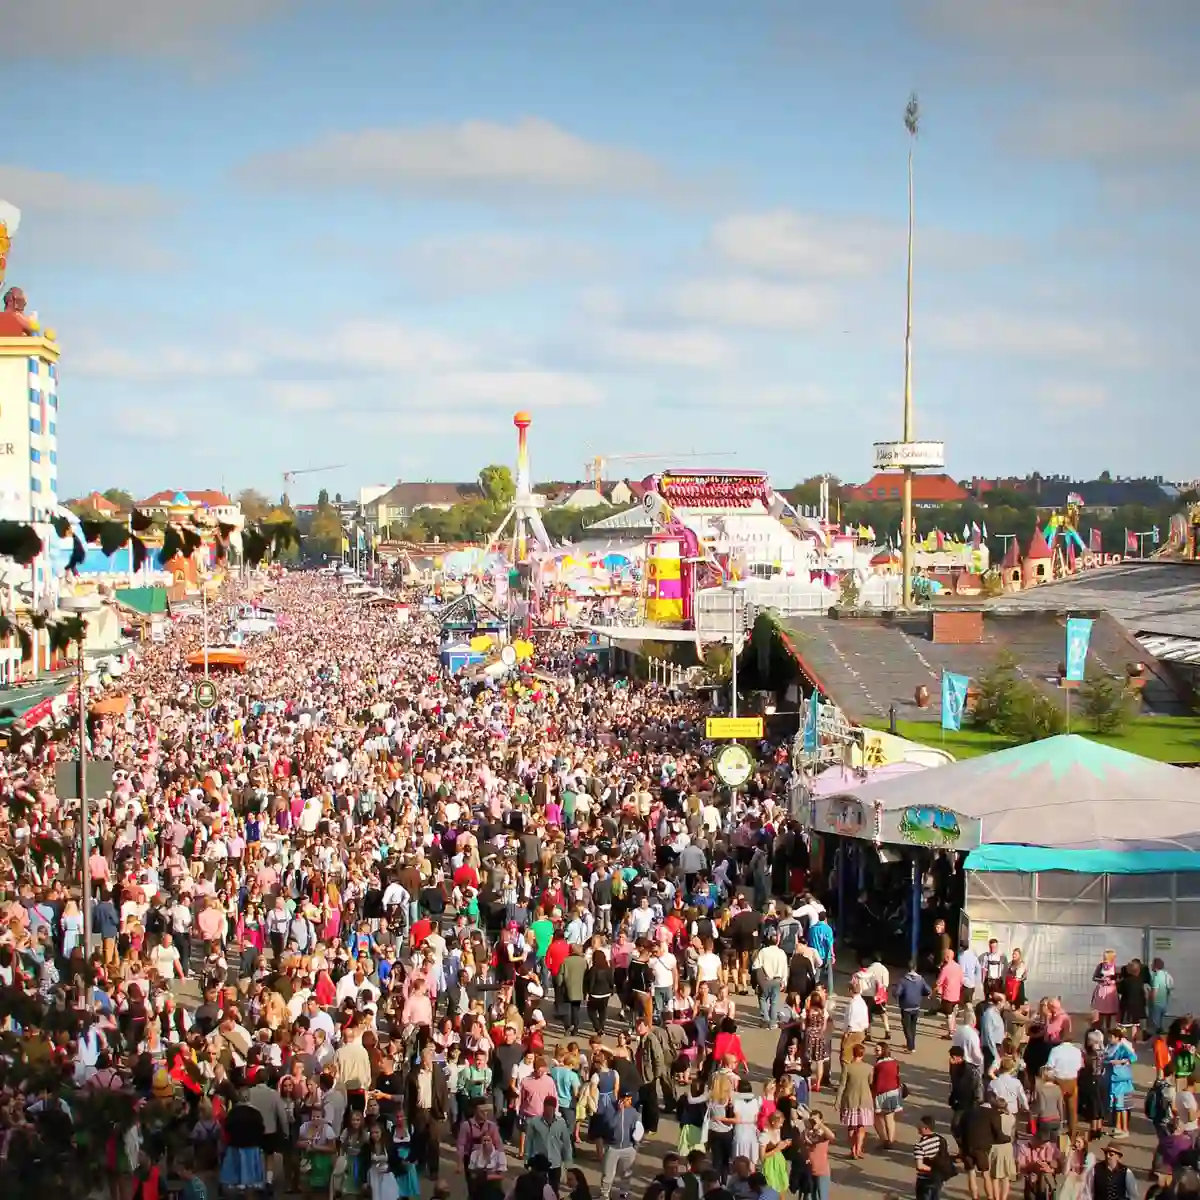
325	533
254	505
118	496
496	483
323	498
1107	704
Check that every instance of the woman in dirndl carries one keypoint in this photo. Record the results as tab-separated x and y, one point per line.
1105	1001
855	1104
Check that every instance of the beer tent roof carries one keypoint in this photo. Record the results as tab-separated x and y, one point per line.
1067	792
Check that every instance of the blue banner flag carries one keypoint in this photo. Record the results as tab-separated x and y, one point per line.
811	740
1079	635
954	699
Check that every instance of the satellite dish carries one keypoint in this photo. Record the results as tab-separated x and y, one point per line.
508	656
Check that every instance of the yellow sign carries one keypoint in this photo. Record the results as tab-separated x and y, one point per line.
733	727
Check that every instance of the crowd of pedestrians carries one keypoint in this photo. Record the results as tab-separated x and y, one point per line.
367	929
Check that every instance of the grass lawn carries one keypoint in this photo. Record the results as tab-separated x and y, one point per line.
1167	739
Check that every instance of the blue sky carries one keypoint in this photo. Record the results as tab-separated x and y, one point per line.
274	234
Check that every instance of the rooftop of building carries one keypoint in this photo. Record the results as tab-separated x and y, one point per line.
867	665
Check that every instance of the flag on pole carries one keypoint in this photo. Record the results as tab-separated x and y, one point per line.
1131	545
811	740
1079	636
1095	540
985	532
954	699
966	532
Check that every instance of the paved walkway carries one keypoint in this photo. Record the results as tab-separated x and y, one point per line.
925	1074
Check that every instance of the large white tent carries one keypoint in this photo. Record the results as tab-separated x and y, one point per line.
1068	793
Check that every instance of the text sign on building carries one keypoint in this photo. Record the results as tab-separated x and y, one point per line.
733	727
909	454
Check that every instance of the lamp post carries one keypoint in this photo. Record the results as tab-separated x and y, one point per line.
737	588
912	116
82	607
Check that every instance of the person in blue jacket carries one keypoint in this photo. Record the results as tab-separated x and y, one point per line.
910	991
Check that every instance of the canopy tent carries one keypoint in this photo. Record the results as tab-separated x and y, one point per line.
1067	794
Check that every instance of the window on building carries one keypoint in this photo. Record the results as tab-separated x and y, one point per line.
35	484
35	456
895	493
35	426
53	429
54	458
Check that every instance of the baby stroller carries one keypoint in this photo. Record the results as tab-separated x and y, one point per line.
243	1164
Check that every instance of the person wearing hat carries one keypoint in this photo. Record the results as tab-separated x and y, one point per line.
1110	1178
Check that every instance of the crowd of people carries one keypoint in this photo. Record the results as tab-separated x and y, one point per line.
367	927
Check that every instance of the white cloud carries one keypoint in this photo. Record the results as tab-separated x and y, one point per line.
517	387
54	194
792	243
82	221
1058	396
491	261
164	363
374	346
1094	43
1150	132
301	396
147	424
789	243
129	28
699	349
747	303
1030	336
474	156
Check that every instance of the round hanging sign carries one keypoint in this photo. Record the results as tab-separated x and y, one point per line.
734	764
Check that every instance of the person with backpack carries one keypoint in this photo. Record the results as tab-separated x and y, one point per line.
932	1160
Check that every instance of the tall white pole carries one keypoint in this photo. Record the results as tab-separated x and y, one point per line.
911	118
84	813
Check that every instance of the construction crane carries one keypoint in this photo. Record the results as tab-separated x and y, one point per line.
594	468
289	477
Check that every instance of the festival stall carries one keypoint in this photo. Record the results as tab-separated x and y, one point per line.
1072	847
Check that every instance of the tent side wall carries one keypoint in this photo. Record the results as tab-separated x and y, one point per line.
1063	921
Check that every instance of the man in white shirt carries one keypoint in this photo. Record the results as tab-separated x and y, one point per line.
856	1022
318	1018
164	959
664	976
1064	1064
352	983
770	968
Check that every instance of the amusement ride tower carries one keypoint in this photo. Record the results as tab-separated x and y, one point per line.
524	515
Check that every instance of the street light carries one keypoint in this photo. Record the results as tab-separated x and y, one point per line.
912	118
82	607
737	587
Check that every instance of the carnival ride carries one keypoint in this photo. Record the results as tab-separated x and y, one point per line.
1062	536
1183	536
524	518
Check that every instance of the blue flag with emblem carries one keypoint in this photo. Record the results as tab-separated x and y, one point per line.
954	699
1079	637
810	724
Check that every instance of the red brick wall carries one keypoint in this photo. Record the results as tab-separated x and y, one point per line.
957	628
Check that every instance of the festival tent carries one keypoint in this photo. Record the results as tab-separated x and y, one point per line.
1035	807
